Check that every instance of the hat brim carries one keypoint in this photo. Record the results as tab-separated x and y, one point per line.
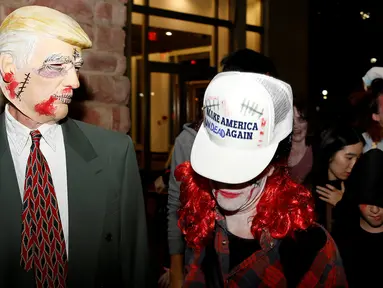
228	165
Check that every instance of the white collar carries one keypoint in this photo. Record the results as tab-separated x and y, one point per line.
19	134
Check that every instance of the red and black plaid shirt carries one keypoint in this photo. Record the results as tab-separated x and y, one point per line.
263	268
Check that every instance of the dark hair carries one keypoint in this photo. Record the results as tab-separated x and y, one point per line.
302	107
281	156
333	140
366	180
246	60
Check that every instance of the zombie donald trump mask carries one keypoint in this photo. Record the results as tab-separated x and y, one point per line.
40	56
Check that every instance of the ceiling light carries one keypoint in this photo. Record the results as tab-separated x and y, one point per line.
364	15
169	33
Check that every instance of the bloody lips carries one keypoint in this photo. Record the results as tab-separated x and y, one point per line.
229	195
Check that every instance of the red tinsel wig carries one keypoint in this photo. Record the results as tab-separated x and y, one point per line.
284	207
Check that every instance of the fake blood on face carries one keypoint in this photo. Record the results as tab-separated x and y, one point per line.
11	85
46	107
67	90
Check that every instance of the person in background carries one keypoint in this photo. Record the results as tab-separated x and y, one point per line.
301	156
161	184
339	149
372	74
244	60
374	131
360	235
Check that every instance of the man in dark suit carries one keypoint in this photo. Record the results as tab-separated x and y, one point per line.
71	203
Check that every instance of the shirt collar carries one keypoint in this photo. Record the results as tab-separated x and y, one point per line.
19	134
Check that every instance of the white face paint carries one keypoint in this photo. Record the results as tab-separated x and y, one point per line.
43	88
237	197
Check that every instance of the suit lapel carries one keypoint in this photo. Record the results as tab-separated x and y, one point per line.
86	202
10	205
10	199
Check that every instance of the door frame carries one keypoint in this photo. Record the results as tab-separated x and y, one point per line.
183	71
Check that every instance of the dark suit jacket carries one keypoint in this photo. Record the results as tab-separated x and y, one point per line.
107	225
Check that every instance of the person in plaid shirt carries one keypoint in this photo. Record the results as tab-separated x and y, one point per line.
246	223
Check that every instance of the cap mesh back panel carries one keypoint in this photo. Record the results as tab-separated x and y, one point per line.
280	101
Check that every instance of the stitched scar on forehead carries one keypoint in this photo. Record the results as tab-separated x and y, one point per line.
212	104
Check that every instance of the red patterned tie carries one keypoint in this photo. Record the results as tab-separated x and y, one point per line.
42	237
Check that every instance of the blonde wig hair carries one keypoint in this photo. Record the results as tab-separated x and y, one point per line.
22	28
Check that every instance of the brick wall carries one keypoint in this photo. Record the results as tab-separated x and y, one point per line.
102	100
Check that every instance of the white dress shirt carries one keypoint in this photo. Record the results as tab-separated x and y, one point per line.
53	148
